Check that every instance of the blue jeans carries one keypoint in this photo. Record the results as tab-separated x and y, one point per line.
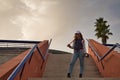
76	55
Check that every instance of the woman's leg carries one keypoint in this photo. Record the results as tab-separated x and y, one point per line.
74	58
81	58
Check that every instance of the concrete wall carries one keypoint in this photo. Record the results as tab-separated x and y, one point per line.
33	68
110	66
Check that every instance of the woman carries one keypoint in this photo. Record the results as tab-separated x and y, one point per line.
79	52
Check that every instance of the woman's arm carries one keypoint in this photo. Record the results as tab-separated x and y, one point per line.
70	45
84	48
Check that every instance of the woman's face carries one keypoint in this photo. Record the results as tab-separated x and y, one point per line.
77	35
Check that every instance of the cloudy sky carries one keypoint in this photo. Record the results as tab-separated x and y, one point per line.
57	19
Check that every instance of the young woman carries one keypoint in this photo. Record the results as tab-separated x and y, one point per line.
79	52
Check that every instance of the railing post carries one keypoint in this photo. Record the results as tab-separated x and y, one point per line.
48	48
108	52
40	53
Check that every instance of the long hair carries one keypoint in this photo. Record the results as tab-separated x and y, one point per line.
78	37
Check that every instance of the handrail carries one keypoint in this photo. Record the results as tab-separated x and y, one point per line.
117	44
114	46
108	52
22	63
20	66
94	50
20	41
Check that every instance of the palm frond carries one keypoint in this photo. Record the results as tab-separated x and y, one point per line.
102	29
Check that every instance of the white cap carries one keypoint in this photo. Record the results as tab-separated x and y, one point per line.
78	32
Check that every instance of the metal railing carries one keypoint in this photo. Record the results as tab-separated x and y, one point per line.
23	62
107	53
17	43
95	52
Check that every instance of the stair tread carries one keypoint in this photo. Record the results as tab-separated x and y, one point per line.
55	78
57	66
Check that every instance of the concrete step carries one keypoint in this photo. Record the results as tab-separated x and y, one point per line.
57	66
74	78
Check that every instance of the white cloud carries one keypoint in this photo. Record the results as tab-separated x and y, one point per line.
35	20
43	19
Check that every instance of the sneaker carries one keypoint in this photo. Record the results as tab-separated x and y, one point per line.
68	75
80	75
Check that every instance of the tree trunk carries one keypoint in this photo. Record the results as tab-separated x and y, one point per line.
104	41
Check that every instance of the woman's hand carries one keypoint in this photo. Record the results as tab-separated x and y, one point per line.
69	45
86	55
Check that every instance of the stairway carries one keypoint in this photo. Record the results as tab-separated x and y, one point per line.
57	68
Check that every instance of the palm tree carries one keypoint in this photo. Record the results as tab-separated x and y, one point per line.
102	30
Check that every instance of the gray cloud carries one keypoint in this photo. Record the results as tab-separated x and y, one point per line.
57	19
7	29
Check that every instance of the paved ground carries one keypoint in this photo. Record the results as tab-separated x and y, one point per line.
57	68
74	79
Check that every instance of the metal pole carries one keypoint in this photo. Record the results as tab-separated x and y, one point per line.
108	52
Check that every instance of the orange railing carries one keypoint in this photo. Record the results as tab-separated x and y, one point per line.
30	63
108	64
